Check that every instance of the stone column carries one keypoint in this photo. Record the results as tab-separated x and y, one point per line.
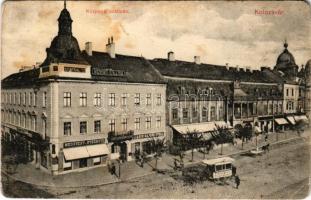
200	111
241	111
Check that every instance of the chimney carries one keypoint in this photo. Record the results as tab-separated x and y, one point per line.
197	60
88	48
110	48
227	66
170	56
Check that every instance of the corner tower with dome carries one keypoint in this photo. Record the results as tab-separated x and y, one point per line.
64	50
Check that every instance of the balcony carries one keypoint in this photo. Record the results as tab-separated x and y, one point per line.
120	136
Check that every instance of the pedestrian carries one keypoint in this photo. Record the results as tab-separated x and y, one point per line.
237	181
113	169
266	137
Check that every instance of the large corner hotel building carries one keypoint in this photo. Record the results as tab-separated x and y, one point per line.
80	109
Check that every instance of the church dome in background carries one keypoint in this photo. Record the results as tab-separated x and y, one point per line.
286	57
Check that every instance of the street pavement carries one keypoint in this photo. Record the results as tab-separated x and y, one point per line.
130	170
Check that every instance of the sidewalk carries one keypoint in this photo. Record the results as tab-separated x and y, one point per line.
129	170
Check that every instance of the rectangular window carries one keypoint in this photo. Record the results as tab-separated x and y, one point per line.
44	127
20	99
148	99
137	123
124	99
97	127
83	99
194	112
30	99
124	124
35	98
185	113
97	100
159	99
204	112
83	127
148	122
35	123
67	128
10	98
67	99
158	122
175	113
44	100
292	91
287	92
24	99
213	113
112	125
112	99
15	99
137	99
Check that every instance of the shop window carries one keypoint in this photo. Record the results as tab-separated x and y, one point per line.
83	163
96	161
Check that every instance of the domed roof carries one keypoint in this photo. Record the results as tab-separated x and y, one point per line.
285	57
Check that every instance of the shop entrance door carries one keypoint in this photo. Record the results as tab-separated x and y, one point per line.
83	163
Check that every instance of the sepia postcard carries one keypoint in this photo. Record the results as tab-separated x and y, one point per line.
155	99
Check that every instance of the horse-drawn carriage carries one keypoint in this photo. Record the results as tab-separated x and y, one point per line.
219	168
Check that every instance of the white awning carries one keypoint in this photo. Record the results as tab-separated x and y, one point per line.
280	121
75	153
301	117
196	127
97	150
216	161
222	124
291	120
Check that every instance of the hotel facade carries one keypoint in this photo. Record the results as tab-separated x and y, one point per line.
81	109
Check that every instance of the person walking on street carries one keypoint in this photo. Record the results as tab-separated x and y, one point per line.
237	181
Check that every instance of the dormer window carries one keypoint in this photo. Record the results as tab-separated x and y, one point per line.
55	68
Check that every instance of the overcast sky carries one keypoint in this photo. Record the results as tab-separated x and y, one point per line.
218	32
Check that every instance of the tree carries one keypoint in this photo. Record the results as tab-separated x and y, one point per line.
223	136
193	141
